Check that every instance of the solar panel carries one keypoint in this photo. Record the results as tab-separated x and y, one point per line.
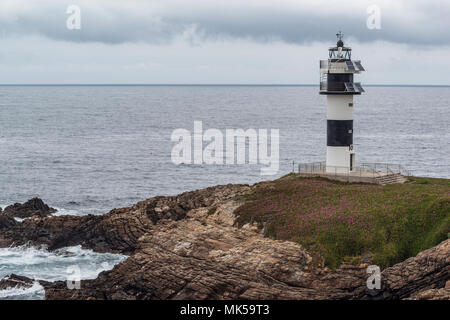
349	87
359	66
350	65
359	87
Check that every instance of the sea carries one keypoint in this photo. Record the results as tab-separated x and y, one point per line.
88	149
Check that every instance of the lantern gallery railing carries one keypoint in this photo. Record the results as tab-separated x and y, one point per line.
341	66
347	87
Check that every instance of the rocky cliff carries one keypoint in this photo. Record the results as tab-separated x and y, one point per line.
188	247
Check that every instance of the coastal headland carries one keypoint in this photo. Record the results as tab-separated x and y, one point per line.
292	238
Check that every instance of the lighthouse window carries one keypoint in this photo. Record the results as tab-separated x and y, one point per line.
350	104
350	131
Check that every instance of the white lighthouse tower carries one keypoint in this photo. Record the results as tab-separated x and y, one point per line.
337	75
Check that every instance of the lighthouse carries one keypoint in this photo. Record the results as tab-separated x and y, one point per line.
337	83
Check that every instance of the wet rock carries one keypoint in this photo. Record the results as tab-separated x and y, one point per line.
6	222
33	207
15	281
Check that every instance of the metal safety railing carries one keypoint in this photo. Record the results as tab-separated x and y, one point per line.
387	168
372	170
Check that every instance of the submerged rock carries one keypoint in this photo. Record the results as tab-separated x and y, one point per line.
33	207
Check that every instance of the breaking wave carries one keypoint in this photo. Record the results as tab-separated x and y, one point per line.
41	264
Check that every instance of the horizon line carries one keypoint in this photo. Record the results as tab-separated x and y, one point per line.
201	85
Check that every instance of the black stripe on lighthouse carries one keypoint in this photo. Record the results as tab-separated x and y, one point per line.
339	133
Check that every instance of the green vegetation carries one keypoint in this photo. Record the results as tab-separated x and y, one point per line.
212	210
339	222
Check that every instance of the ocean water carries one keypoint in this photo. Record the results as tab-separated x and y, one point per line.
89	149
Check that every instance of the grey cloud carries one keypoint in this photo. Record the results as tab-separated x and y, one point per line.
161	21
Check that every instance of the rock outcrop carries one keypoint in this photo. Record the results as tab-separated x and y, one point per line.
196	259
15	281
6	222
433	294
33	207
117	231
429	270
188	247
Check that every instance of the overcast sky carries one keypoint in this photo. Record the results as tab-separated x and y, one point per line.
220	41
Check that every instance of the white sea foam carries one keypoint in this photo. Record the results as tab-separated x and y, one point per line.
41	264
3	206
35	292
64	212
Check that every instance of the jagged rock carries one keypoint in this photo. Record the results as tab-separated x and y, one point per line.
119	230
33	207
429	270
6	222
212	263
15	281
432	294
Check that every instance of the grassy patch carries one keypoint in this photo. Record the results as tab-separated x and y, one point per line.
212	210
341	222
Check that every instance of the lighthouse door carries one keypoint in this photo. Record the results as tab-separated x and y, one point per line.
352	161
